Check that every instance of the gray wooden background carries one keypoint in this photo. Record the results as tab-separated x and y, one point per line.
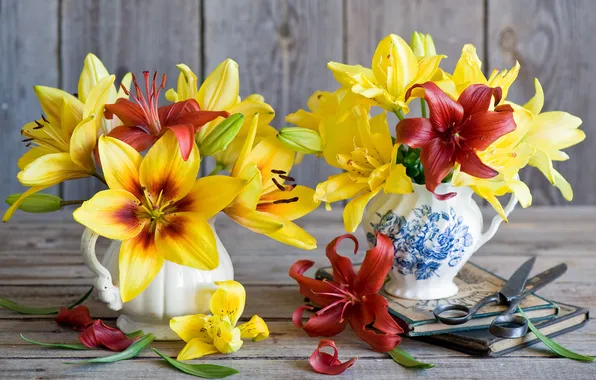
283	47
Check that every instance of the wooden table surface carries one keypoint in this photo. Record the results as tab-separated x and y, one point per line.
40	265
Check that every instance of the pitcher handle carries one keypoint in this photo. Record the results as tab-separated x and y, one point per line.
108	293
496	222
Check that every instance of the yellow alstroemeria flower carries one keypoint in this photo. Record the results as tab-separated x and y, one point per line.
220	92
158	208
209	334
468	70
548	134
369	160
393	71
63	140
267	205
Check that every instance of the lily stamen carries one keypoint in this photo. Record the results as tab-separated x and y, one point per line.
276	171
290	200
276	183
287	178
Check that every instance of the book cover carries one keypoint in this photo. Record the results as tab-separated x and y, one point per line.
483	343
474	283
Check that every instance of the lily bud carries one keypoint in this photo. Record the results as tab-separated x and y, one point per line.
222	135
36	203
302	140
422	45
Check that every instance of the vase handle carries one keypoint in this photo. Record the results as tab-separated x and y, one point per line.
496	222
108	293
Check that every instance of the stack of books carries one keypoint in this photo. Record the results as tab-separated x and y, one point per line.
473	337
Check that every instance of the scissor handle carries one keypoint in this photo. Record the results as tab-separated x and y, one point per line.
468	312
508	325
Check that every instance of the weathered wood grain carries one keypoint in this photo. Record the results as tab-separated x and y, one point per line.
282	48
127	35
29	51
553	41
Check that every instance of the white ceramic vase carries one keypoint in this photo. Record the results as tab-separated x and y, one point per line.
432	239
176	290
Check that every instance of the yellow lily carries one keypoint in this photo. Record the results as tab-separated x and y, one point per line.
393	71
220	92
157	208
468	70
62	141
209	334
548	134
369	160
267	205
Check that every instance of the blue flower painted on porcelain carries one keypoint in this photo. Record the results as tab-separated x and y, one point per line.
424	243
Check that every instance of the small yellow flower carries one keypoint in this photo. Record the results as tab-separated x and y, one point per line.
209	334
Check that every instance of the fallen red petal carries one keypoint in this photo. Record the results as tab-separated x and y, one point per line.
328	364
78	318
99	335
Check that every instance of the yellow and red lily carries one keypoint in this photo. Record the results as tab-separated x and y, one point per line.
63	140
267	205
158	208
210	334
144	122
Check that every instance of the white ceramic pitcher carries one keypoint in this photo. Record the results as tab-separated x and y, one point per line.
432	239
176	290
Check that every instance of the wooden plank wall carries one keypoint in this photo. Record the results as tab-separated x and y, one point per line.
283	46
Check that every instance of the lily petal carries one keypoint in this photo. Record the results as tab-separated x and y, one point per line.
355	208
112	214
373	311
478	97
187	239
274	202
52	102
50	170
165	174
196	348
220	89
328	364
9	213
271	154
316	290
121	164
437	159
471	164
535	104
185	134
374	268
99	335
484	128
78	318
227	339
93	72
191	327
329	323
445	111
394	64
343	270
210	195
228	300
139	263
255	329
136	137
258	222
128	112
292	234
338	187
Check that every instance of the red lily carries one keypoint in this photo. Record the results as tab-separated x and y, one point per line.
78	318
144	123
455	131
350	297
99	335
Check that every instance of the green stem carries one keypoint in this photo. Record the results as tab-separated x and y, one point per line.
75	202
100	177
218	167
423	107
399	114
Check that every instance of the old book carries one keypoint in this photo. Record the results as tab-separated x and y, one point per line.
474	283
483	343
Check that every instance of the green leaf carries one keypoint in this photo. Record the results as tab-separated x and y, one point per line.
205	371
22	309
403	358
132	351
73	346
135	334
554	346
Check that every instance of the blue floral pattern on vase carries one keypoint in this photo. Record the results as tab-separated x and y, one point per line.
424	243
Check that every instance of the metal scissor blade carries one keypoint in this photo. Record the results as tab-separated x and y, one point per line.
514	286
544	278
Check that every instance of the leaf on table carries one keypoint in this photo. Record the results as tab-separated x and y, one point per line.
135	334
132	351
69	346
205	371
23	309
554	346
403	358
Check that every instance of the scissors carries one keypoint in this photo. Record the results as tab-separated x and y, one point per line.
506	325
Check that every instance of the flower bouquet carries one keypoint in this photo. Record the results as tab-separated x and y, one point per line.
416	187
165	249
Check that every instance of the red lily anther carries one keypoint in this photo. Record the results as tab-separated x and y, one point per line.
144	122
328	364
99	335
350	297
455	131
78	318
